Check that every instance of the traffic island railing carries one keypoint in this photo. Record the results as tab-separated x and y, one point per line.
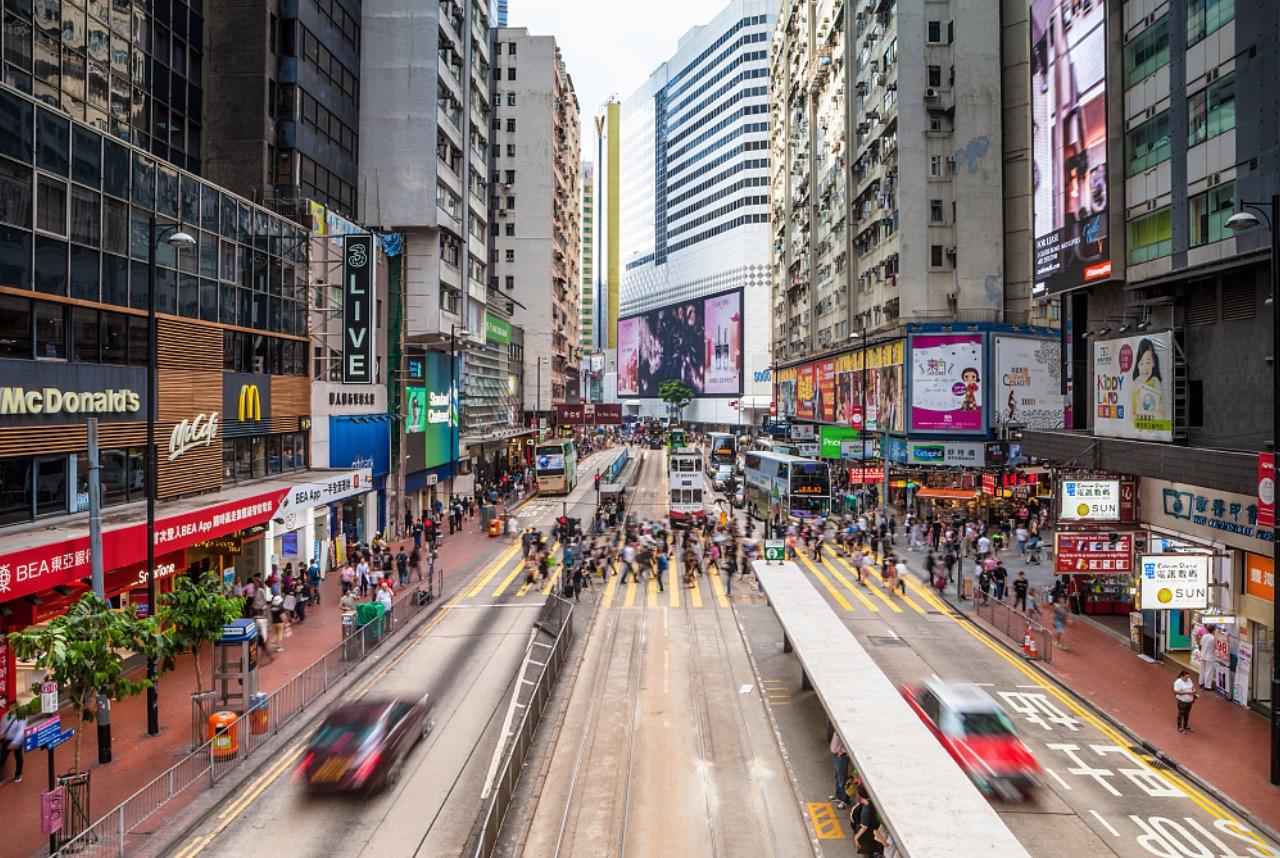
237	740
1034	639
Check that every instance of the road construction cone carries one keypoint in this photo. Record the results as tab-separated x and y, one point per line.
1033	654
1028	643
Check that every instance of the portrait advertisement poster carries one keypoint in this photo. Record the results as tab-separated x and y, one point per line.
1069	144
698	341
805	390
785	397
415	409
1027	384
946	383
1133	387
826	407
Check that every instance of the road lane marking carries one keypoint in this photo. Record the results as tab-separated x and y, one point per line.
717	586
1057	777
1104	823
651	594
836	594
473	588
674	599
506	582
826	824
610	588
695	596
859	591
630	600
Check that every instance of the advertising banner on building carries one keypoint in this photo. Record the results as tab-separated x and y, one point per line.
440	435
357	309
1026	387
830	439
1205	514
1093	553
1133	387
843	391
698	341
1090	500
826	406
953	454
246	404
1266	490
415	419
806	390
1173	582
1260	576
360	442
497	330
48	393
1069	144
946	383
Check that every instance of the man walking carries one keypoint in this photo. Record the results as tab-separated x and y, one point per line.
628	561
1184	692
1000	575
1020	585
662	571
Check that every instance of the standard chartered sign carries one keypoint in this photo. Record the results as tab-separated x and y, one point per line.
15	401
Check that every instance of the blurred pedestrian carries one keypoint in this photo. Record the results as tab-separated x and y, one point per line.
13	731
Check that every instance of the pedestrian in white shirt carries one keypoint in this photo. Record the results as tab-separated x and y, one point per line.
1184	692
1205	648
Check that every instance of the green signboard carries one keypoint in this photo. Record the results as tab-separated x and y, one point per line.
775	550
497	330
829	438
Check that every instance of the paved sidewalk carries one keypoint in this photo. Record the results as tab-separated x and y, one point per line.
138	758
1227	748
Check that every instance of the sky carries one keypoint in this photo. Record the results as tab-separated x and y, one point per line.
610	46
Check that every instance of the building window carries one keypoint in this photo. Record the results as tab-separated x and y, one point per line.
1212	110
935	166
1150	236
1148	144
509	282
511	202
51	331
511	49
510	255
511	124
511	229
935	256
935	211
935	32
1208	213
511	99
1206	16
511	150
511	72
935	76
1147	52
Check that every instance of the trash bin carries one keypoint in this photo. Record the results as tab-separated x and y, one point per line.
222	732
488	512
495	526
259	713
369	616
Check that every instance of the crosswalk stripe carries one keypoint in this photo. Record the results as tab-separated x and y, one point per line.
876	590
695	597
630	601
836	594
506	582
859	592
674	599
651	594
718	586
609	589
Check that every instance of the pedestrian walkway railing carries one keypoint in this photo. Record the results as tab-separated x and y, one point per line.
555	619
239	740
1034	639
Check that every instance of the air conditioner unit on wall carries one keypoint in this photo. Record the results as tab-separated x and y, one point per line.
931	92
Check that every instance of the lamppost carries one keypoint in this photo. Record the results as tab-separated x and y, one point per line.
454	398
1239	222
179	241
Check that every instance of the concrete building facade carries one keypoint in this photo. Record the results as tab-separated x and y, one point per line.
535	175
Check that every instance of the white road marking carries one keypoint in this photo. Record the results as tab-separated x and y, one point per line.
1104	823
1057	777
746	689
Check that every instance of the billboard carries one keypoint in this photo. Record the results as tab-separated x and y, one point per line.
946	383
1133	387
1069	144
841	390
441	415
1090	500
1026	387
357	309
1093	553
1173	582
698	341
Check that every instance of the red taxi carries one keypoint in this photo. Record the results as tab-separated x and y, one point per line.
362	746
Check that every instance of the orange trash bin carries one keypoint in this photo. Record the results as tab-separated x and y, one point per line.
495	526
222	732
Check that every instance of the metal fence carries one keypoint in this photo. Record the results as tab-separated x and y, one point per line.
555	618
240	739
1036	640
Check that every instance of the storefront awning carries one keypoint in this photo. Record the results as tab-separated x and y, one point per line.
947	494
632	403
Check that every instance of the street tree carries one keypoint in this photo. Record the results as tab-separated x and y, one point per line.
675	393
193	614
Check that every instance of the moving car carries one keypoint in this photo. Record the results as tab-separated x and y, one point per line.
978	734
739	497
722	475
362	746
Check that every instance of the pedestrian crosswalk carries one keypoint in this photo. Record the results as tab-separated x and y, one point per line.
838	576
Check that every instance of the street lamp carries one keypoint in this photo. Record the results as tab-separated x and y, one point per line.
179	241
454	431
1239	222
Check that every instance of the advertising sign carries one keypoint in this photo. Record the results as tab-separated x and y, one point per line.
806	390
497	330
825	409
948	453
698	341
1027	385
39	393
1069	144
946	383
1207	514
1266	490
1088	553
415	403
440	435
246	404
1133	387
802	431
1173	582
831	437
52	804
1090	500
1244	667
1260	576
357	309
775	550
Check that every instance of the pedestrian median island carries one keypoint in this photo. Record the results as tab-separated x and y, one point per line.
926	801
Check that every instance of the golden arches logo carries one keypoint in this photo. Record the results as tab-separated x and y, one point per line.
250	405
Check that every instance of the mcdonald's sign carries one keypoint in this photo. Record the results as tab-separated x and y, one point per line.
246	402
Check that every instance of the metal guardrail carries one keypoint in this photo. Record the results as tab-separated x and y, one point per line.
210	763
1015	624
555	618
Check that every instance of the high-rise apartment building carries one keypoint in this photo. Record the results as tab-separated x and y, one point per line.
587	267
694	232
534	182
282	101
886	186
130	69
424	118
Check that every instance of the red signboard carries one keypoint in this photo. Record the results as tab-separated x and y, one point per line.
41	567
855	417
4	671
1266	490
1093	553
1128	501
859	476
827	391
586	414
988	484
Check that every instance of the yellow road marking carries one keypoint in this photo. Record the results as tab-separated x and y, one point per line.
630	601
877	573
506	582
473	588
674	599
836	594
859	592
695	597
652	594
526	586
718	586
610	588
555	576
825	822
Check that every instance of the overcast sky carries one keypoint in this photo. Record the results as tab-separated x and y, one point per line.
610	46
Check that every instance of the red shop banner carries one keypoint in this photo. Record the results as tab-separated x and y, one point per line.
1266	490
1093	553
39	568
863	476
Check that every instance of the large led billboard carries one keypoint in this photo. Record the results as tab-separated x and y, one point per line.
698	341
1069	144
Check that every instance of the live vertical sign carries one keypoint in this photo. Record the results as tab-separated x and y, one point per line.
357	309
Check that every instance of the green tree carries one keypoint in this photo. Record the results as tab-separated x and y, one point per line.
194	613
675	393
83	651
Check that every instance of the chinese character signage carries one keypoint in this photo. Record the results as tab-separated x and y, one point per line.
1133	387
1266	490
1172	582
1090	500
1207	514
1093	553
946	383
1027	383
954	454
1260	576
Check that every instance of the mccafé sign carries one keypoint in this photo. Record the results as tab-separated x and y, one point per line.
189	434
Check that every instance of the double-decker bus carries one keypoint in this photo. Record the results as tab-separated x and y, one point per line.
685	485
778	485
724	449
556	464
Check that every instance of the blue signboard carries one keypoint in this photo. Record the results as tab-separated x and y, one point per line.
289	545
360	441
42	734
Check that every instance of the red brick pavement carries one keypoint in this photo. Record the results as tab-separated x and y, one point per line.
138	758
1227	747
